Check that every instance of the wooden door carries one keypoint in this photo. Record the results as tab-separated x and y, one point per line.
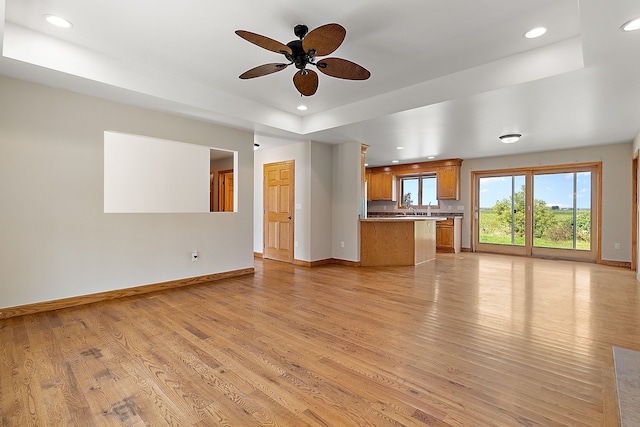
225	191
278	210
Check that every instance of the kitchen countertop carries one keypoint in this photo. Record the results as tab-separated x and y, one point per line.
405	218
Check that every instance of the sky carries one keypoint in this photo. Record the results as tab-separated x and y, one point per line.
554	189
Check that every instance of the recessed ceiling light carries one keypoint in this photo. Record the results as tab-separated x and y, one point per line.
431	157
302	107
395	161
58	21
536	32
510	138
632	25
366	164
256	146
399	148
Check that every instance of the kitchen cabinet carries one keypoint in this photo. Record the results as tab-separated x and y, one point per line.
449	182
381	186
449	235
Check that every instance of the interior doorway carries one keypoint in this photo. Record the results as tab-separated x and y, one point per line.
279	205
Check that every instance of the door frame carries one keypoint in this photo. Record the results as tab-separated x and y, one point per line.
595	254
222	190
291	209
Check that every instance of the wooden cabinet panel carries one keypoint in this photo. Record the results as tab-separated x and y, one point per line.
449	183
444	236
380	186
449	235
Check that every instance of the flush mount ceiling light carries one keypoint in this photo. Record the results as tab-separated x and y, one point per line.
632	25
58	21
510	138
536	32
302	107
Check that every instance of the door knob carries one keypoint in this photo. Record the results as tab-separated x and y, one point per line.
289	218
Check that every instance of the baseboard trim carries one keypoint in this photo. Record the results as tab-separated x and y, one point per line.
326	261
258	255
312	263
621	264
39	307
345	262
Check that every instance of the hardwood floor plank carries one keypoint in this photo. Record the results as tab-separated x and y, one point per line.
467	340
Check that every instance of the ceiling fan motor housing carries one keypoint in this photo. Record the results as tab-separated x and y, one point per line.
299	57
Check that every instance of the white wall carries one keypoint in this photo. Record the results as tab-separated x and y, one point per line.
56	240
636	148
346	201
321	201
616	189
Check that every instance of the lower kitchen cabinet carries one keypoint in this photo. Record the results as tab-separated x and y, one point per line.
449	235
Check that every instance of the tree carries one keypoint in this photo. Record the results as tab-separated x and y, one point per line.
543	216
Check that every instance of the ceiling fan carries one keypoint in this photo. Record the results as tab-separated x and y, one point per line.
321	41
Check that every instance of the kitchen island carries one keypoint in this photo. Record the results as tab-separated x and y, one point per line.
395	241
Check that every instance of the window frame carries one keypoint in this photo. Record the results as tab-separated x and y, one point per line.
419	176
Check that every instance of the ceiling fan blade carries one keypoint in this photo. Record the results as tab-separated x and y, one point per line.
263	70
307	84
264	42
343	69
325	39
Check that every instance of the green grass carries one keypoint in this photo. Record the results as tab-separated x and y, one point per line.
493	231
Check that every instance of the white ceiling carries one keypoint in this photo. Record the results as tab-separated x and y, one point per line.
448	77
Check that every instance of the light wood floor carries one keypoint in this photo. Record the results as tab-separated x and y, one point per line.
468	340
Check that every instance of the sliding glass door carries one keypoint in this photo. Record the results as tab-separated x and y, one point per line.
501	214
562	214
548	212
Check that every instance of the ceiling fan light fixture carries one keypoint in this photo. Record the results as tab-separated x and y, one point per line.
632	25
58	21
510	138
535	32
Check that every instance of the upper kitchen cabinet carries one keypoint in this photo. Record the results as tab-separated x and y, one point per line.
381	181
380	185
449	180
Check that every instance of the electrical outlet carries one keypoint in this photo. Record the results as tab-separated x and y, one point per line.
194	256
342	244
617	245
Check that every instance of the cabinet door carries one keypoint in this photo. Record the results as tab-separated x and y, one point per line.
381	186
369	185
449	183
444	236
